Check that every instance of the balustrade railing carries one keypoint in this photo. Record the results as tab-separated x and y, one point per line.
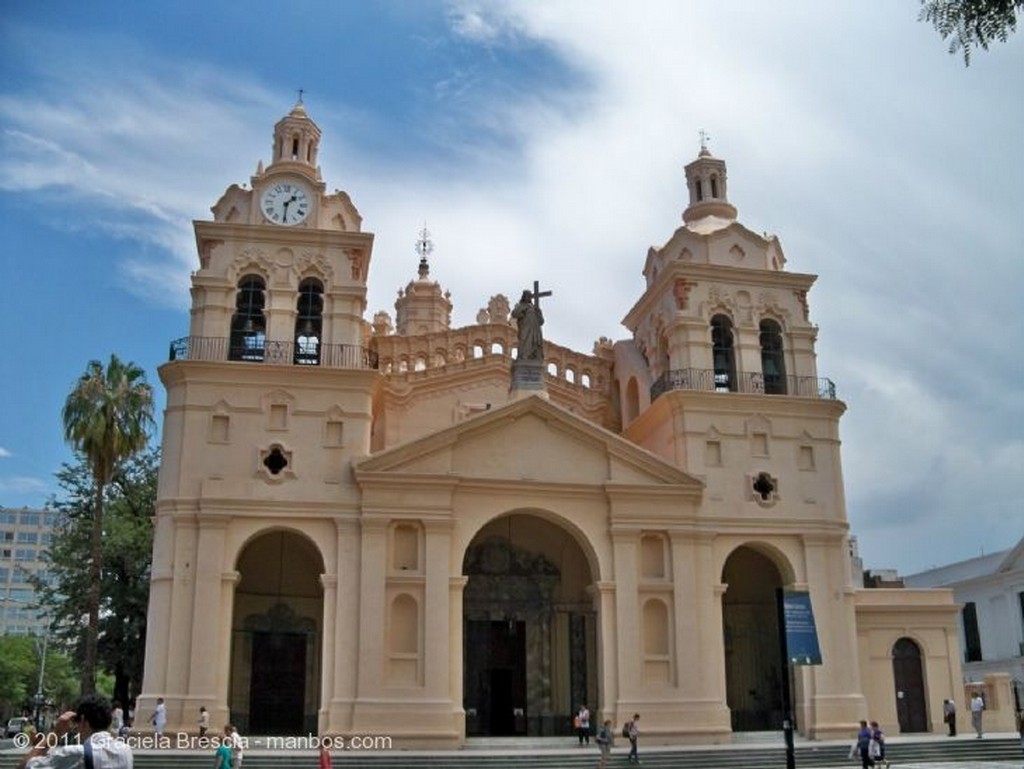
256	349
757	383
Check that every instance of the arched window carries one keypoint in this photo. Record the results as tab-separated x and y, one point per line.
700	191
723	354
248	324
773	364
714	186
309	322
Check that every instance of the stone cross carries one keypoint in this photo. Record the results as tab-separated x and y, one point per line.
537	293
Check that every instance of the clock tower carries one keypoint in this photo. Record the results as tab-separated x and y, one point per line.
269	398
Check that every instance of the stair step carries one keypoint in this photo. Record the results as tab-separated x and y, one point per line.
554	754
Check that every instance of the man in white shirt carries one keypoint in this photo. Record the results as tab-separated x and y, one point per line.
95	747
159	719
977	707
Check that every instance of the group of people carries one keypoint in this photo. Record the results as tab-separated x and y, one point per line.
870	745
99	723
977	705
605	736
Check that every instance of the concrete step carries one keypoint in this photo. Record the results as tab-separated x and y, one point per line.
555	754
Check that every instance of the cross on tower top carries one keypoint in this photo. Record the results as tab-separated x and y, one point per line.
704	138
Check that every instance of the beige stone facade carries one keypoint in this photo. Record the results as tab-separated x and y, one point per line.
362	528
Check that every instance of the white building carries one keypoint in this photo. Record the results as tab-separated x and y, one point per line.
991	589
25	537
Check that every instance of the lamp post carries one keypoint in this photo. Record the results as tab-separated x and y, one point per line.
39	697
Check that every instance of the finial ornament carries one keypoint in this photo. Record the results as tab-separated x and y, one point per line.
704	138
301	91
424	247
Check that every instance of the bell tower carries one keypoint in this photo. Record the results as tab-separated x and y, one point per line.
269	400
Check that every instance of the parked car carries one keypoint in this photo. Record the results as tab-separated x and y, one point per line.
15	725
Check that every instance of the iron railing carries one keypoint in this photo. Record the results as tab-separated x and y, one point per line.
756	383
258	350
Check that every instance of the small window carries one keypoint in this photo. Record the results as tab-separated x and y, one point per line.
714	186
700	191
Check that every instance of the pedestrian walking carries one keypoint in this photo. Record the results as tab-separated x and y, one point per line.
634	736
604	739
949	716
977	708
878	744
863	745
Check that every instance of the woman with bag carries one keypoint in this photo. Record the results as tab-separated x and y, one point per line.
863	745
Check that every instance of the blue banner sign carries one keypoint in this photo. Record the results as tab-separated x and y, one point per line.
801	634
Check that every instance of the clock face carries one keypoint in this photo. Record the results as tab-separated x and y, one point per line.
285	203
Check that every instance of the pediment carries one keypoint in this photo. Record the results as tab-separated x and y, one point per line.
533	441
1014	560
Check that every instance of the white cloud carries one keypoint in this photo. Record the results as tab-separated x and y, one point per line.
23	485
4	453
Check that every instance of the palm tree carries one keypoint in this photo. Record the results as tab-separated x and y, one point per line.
106	418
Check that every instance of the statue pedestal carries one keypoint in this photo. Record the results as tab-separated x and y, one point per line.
527	379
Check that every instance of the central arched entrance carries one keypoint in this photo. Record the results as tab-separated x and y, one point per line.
276	636
753	652
529	634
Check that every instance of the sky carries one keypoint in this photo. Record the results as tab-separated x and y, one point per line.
546	141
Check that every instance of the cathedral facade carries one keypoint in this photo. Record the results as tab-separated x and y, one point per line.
370	526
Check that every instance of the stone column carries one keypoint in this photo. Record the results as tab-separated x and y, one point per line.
221	711
627	614
345	651
837	698
603	594
329	582
688	651
456	588
206	608
179	651
158	618
437	608
372	608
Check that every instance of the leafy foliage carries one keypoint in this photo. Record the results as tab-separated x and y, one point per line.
130	500
19	675
106	419
970	23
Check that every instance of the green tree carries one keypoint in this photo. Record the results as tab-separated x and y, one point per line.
106	417
20	657
129	508
967	24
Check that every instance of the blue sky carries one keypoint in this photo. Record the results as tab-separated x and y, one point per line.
547	140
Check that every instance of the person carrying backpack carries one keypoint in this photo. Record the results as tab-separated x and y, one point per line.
631	730
604	739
